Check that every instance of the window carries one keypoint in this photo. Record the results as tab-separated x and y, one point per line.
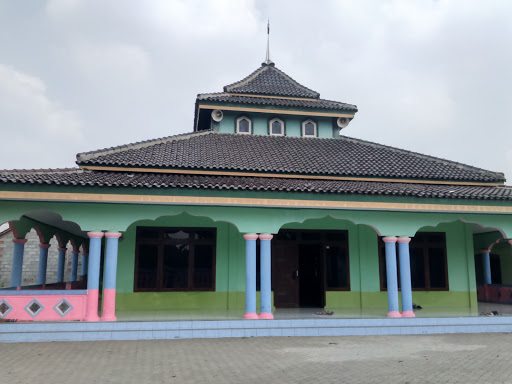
337	268
429	269
309	128
175	259
276	127
243	125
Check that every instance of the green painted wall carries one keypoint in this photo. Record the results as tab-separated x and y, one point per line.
461	268
364	269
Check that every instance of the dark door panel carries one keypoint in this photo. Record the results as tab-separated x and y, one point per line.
285	280
311	286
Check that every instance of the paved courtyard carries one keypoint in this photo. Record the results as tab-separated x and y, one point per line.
462	358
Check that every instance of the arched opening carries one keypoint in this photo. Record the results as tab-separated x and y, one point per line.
176	264
448	266
324	263
41	237
493	270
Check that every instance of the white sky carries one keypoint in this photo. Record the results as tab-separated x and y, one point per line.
77	75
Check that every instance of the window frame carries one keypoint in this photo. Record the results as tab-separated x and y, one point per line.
160	242
421	241
270	127
315	125
238	125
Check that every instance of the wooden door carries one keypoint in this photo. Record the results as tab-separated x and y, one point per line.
311	273
285	281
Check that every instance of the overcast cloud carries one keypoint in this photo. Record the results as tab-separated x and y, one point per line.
78	75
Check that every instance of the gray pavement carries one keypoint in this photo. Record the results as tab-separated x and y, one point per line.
460	358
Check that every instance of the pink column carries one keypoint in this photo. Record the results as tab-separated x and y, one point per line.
109	291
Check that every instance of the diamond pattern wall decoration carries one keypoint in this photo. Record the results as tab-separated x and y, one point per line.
34	307
63	307
5	308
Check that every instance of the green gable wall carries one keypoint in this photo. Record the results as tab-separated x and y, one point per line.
293	127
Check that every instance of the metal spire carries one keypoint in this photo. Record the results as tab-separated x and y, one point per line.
268	61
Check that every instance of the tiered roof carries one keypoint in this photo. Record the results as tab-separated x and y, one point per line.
220	161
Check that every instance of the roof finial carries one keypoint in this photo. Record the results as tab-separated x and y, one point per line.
268	61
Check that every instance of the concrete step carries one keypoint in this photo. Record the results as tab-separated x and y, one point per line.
124	330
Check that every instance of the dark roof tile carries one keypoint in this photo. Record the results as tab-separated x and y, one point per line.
78	177
268	80
294	103
343	156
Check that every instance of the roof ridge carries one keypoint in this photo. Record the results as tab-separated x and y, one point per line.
265	68
137	145
428	157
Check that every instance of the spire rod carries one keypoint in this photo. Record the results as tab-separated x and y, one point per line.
268	61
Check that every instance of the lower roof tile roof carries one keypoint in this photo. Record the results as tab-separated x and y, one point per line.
79	177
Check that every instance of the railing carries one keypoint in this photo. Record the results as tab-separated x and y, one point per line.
495	293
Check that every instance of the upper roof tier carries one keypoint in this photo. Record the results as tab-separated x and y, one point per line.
346	157
284	103
268	80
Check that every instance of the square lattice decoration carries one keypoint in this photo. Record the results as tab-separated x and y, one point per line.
5	308
34	308
63	307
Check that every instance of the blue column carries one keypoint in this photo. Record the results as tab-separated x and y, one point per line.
43	263
61	264
84	265
109	290
250	276
265	271
74	265
17	262
93	276
391	274
486	264
405	276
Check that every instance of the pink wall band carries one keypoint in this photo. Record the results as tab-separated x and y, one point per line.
251	316
92	305
109	305
113	235
49	307
408	314
95	235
